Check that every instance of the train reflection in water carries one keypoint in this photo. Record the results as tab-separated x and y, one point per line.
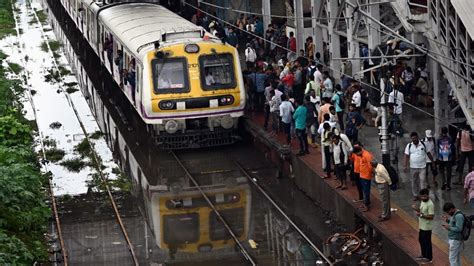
185	228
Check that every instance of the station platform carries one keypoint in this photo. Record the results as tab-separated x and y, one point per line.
399	234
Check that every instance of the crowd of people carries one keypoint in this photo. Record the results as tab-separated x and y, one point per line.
301	99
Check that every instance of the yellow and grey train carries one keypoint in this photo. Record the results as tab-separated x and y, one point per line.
185	83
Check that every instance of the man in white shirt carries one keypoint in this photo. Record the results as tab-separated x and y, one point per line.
250	56
340	153
286	108
398	99
415	154
357	99
318	76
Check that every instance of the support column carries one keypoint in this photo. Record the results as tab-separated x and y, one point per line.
299	25
316	6
352	43
373	29
334	42
440	93
266	11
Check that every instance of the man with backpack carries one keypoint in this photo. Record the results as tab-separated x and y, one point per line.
465	147
455	225
338	101
415	154
340	153
250	56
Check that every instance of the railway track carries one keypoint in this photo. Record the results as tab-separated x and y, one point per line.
95	158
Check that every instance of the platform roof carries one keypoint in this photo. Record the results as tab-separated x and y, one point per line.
465	10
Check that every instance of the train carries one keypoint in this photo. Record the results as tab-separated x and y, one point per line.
185	83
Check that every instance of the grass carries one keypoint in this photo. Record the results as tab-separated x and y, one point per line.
55	125
96	135
7	21
54	45
63	71
71	90
52	76
83	148
3	55
55	154
73	165
47	142
42	17
16	68
44	46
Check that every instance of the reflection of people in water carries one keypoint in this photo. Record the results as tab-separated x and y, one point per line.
209	78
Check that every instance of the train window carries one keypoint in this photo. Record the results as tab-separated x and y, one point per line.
170	75
217	71
234	217
181	228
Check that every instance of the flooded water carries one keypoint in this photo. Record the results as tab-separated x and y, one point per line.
52	102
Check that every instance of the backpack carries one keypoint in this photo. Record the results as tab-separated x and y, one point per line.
394	177
342	103
467	225
422	143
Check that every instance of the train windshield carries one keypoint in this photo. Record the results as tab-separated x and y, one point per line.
181	228
217	71
170	75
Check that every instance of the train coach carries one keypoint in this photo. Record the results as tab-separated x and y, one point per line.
185	83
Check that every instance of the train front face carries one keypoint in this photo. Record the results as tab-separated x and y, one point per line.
195	88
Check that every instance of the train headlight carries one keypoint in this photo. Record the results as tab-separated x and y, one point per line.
191	48
171	126
227	122
226	100
166	105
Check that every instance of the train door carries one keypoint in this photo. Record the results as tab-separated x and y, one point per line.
138	87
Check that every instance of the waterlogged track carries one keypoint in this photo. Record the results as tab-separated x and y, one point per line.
24	55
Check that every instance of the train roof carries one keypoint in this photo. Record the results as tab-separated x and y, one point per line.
140	24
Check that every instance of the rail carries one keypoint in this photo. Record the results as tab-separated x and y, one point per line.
226	225
253	181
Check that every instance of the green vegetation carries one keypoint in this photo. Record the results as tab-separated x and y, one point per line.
42	17
3	56
53	76
16	68
71	90
63	71
55	125
84	148
23	212
74	165
7	22
47	142
96	135
54	45
54	154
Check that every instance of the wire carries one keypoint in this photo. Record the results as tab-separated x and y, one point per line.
333	69
426	50
272	16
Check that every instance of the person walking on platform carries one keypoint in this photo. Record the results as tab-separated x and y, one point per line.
465	147
300	125
366	170
355	173
469	188
430	144
425	213
446	157
455	224
383	181
415	154
326	138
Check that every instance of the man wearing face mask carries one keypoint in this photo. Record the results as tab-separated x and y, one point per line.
425	213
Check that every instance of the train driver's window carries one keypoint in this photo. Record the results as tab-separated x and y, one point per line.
217	71
170	75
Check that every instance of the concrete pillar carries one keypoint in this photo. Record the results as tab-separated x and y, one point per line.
299	24
334	42
440	93
316	6
266	11
352	43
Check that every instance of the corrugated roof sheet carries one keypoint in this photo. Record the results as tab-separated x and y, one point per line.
465	11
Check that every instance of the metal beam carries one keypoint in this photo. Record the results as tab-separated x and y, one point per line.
316	8
299	26
334	42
